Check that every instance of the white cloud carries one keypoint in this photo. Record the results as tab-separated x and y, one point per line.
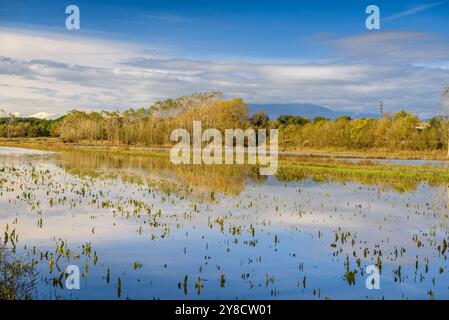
43	115
65	47
412	11
60	73
394	47
307	73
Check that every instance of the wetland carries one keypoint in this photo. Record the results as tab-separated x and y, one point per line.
140	227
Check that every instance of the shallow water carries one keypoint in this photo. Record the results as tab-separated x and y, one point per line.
9	151
159	228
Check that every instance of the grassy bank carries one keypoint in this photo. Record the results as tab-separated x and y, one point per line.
400	177
377	153
55	144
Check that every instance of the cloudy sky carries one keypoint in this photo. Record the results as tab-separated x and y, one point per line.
132	53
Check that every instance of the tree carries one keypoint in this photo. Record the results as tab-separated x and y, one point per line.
11	122
443	118
290	119
343	118
318	119
402	131
362	133
170	108
228	114
259	119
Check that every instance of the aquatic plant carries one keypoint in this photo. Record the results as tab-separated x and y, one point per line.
17	277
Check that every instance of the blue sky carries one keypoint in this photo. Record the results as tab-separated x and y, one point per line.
131	53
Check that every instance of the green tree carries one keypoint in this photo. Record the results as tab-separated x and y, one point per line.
318	119
290	119
10	123
259	119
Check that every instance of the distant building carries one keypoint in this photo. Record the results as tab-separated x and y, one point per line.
422	125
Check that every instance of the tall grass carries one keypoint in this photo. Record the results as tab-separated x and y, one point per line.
17	277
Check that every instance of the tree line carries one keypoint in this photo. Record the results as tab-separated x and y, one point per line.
399	131
15	127
152	127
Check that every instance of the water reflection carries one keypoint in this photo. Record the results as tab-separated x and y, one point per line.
186	180
142	228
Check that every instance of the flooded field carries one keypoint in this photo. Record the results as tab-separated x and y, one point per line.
139	227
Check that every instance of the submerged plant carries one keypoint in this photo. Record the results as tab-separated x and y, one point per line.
17	278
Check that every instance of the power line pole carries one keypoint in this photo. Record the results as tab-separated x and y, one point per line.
381	109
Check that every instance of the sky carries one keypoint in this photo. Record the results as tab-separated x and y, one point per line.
129	54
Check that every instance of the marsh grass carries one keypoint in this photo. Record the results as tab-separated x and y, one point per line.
400	177
17	277
230	179
403	177
55	144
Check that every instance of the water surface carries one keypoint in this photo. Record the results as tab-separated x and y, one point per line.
142	228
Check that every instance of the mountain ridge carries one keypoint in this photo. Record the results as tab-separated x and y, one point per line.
308	110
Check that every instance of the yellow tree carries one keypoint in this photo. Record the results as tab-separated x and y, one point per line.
229	114
10	123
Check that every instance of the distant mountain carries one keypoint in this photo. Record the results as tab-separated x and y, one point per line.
307	110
